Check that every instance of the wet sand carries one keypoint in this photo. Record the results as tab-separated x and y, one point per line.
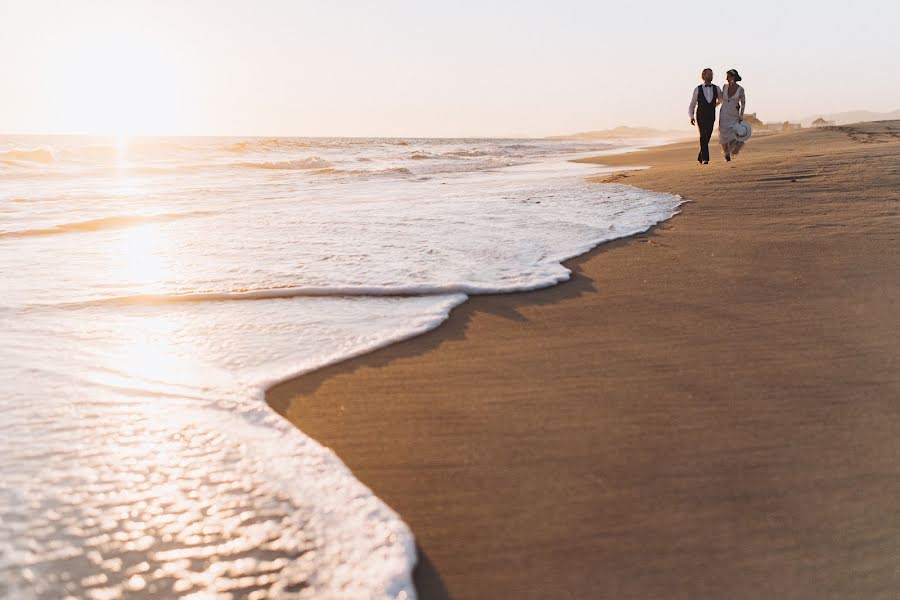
708	410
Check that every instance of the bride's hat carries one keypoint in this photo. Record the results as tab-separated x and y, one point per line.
742	131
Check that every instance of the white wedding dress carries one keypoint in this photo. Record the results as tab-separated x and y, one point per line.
732	112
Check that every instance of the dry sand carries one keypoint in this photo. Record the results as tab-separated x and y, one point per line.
709	410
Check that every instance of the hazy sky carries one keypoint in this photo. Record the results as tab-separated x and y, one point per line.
406	68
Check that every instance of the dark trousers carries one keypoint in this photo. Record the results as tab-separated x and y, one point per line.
706	129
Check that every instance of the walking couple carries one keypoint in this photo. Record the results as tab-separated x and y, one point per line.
733	131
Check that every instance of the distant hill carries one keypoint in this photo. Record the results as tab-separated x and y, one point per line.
622	132
853	116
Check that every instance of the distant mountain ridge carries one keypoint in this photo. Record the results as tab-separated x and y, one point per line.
622	132
853	116
627	132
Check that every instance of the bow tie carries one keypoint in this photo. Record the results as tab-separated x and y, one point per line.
707	85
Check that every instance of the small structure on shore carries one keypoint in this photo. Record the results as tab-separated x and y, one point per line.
785	126
754	121
820	122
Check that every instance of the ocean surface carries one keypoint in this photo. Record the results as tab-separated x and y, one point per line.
153	289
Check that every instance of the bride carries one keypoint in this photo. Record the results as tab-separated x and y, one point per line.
733	104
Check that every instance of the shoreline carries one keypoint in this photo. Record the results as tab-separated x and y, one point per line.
634	482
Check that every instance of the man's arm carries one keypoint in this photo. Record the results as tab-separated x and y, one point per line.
692	106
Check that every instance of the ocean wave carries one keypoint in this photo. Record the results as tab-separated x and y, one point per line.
474	153
266	144
350	291
391	171
422	155
116	152
38	155
303	164
98	152
116	222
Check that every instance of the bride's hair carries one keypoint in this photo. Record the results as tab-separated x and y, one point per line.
734	73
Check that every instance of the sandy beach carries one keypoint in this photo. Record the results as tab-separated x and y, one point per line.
707	410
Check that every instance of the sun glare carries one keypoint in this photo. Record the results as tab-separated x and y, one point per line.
142	258
118	84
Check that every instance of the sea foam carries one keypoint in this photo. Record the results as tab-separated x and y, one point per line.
138	456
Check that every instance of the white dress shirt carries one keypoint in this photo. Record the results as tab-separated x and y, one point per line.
708	94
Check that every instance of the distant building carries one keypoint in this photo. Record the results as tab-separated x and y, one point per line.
755	123
820	122
785	126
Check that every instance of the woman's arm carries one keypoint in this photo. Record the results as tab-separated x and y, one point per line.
743	102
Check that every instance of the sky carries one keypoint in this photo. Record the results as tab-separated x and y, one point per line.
423	68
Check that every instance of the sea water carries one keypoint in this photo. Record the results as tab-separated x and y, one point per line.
152	289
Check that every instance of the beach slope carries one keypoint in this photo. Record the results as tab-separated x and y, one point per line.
708	410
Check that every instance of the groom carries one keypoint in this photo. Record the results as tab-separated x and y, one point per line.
705	99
